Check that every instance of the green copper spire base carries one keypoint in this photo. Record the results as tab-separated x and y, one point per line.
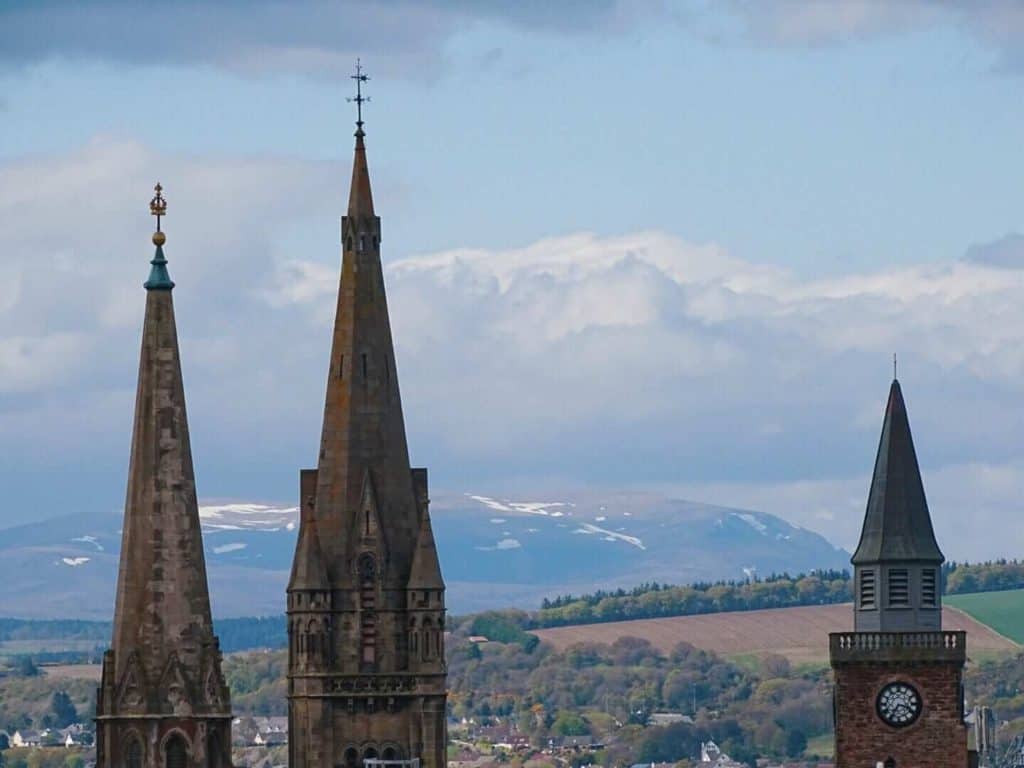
159	278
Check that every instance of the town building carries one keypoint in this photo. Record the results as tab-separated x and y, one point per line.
162	701
366	615
26	739
898	676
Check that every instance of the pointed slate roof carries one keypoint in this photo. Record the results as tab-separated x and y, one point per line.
426	569
897	525
163	605
363	441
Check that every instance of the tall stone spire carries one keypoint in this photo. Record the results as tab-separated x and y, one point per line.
897	560
364	485
163	700
366	672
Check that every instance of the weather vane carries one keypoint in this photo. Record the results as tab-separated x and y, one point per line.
158	207
360	78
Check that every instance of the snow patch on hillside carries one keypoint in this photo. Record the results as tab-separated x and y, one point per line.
590	528
247	517
752	521
546	508
225	548
502	545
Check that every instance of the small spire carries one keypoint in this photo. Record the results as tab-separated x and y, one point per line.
894	366
360	199
159	278
360	78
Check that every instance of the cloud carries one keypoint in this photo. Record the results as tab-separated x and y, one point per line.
75	230
997	24
318	37
820	22
634	360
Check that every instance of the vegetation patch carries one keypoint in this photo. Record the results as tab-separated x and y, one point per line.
1002	611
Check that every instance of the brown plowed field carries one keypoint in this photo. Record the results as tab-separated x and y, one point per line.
800	634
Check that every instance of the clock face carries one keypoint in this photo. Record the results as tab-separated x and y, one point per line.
899	704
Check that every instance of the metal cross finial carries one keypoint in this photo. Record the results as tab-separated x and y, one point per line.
158	206
360	78
894	365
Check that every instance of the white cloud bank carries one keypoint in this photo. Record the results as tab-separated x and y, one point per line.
633	360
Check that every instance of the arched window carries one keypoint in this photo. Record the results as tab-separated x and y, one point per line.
890	763
369	754
133	753
351	757
176	752
389	753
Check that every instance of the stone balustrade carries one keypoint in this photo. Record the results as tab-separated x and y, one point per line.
897	646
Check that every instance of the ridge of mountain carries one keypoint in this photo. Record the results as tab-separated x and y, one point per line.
495	552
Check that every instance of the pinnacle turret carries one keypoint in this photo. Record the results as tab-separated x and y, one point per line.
426	568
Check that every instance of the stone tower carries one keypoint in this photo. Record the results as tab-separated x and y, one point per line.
898	676
162	702
366	663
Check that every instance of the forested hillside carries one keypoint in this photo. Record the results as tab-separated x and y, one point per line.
650	601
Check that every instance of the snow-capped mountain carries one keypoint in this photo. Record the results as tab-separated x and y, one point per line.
495	551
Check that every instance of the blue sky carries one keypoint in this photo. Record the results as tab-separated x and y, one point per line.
650	244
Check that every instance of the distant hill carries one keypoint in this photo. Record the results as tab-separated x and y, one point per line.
800	634
495	552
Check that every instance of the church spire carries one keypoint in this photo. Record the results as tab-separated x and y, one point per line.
896	565
897	525
164	662
364	481
366	676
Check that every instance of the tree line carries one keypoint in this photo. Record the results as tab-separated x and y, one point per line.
654	600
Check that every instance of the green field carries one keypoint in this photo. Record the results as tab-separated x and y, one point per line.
1003	611
821	746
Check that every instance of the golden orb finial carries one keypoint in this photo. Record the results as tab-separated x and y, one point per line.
158	207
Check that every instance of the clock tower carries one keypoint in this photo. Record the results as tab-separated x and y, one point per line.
898	676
